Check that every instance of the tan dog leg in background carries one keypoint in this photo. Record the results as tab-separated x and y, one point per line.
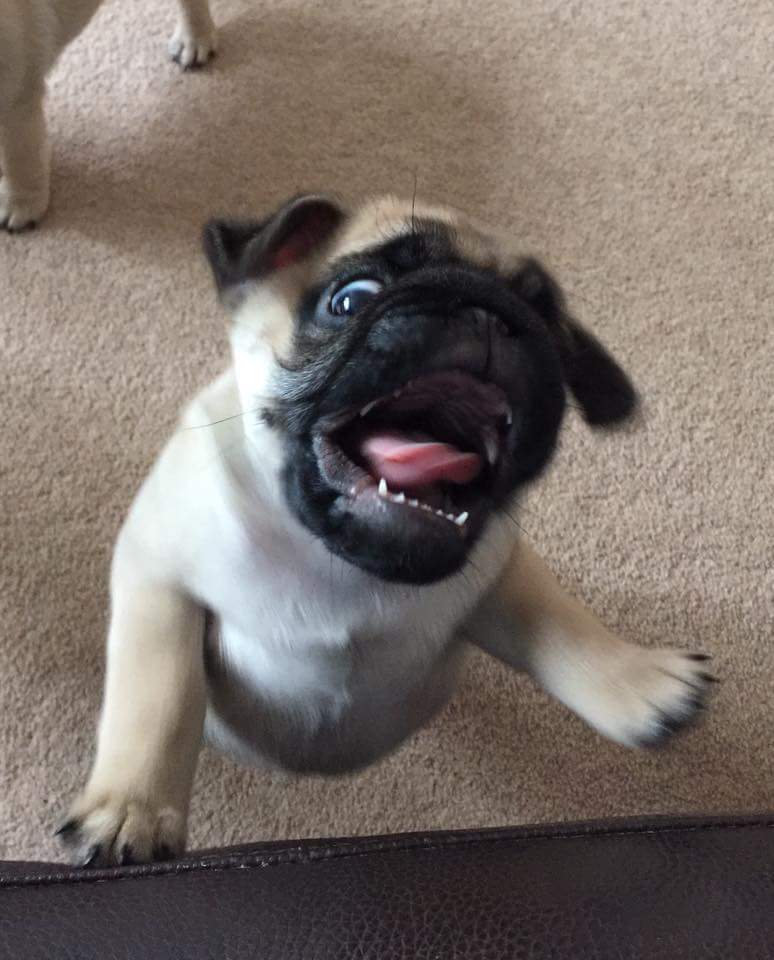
25	160
135	805
632	694
31	40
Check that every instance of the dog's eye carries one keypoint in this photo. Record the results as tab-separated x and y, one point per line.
347	300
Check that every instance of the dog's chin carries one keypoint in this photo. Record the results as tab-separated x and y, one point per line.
398	544
404	487
404	541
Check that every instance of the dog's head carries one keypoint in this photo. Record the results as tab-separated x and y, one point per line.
415	373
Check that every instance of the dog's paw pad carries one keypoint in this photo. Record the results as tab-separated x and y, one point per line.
192	49
112	831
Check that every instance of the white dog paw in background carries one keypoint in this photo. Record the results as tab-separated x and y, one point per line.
194	41
18	213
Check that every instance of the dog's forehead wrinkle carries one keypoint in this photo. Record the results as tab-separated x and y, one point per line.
389	221
387	217
404	251
426	240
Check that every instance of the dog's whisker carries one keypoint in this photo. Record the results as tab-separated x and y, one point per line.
414	204
514	521
215	423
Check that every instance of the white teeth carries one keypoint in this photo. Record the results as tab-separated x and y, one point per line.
492	448
384	491
368	408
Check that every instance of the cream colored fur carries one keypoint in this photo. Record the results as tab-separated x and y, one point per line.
310	648
33	33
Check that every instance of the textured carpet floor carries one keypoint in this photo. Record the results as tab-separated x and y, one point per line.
631	145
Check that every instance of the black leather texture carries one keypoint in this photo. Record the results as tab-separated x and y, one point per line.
653	890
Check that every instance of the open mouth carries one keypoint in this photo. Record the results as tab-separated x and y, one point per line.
431	449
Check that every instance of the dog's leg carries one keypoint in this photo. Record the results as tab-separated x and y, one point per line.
135	804
25	164
194	41
635	695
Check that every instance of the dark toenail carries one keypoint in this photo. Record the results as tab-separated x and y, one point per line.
67	827
91	856
127	856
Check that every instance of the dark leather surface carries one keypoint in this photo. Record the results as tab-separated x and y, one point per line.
658	890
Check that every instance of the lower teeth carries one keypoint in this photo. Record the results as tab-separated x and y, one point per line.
384	492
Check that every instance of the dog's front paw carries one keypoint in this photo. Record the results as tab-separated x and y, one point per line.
20	213
109	829
645	696
191	47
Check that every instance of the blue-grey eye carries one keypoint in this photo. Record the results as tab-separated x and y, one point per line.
353	296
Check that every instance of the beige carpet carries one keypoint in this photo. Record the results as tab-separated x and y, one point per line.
632	145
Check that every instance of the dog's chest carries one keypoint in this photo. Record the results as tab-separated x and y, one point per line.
293	631
334	709
325	669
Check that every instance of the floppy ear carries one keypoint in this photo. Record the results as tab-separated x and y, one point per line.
600	386
239	251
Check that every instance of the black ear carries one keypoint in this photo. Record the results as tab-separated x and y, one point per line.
247	250
600	386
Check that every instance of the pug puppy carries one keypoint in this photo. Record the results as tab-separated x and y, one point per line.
337	507
32	35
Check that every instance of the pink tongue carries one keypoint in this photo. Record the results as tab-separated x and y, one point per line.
406	463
